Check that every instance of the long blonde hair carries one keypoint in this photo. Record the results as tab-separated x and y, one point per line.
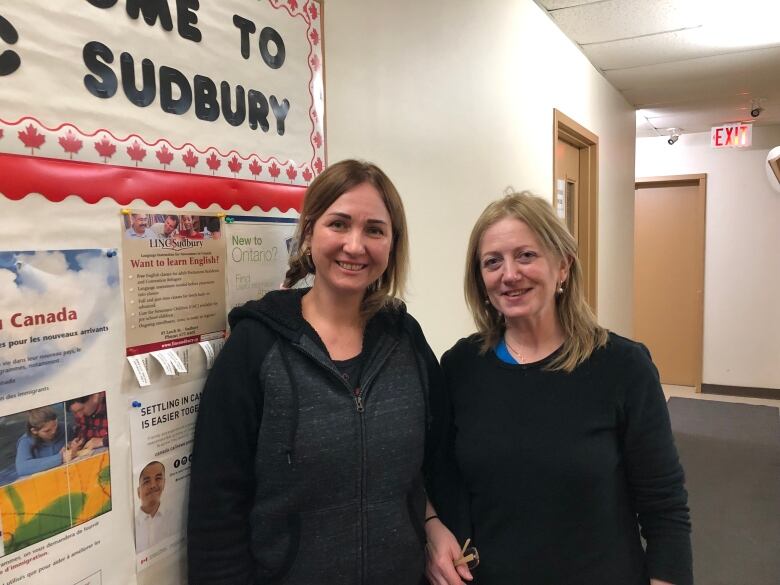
336	180
582	334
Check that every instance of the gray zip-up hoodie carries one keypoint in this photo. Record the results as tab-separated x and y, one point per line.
297	478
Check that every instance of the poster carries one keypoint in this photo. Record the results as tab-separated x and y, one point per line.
58	313
162	426
174	280
55	471
60	348
210	101
258	249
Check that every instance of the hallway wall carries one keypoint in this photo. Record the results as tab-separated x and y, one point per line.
455	102
742	257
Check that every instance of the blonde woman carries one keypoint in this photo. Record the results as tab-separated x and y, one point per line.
560	449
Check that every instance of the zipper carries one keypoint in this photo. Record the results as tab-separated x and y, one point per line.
362	520
357	395
358	399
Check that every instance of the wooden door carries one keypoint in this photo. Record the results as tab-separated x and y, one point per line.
669	274
567	179
575	193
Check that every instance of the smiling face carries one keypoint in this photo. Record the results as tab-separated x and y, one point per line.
186	223
151	484
138	223
351	241
520	277
169	225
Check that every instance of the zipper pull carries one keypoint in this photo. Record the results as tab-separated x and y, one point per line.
358	400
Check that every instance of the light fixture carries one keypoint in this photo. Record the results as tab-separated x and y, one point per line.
711	23
674	135
755	108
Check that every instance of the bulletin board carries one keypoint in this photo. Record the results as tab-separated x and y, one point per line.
153	160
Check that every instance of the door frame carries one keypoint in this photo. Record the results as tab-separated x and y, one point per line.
566	129
700	232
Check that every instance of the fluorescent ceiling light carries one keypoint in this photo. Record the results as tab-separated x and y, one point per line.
729	24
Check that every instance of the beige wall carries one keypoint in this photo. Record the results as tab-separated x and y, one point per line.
454	100
742	252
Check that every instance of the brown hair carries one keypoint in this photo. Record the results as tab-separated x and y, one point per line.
37	417
336	180
582	333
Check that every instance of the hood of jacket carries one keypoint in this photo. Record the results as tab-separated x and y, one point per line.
280	310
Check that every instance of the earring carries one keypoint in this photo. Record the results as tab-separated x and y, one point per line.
486	301
307	261
560	288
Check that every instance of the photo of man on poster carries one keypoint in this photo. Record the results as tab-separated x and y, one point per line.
152	524
166	229
138	226
90	420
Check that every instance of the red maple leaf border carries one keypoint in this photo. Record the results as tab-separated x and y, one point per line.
102	135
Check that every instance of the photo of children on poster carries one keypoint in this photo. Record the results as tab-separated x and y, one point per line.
55	470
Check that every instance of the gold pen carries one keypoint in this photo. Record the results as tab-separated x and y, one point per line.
468	556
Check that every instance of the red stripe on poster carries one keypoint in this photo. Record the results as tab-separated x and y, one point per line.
58	179
173	343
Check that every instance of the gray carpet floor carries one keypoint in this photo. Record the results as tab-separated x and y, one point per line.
731	456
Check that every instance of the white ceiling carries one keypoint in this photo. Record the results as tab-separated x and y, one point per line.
688	64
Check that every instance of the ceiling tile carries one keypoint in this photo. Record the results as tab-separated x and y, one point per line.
643	128
620	19
686	63
753	72
641	51
559	4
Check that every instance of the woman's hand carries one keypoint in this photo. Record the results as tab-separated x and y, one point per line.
69	452
442	551
659	582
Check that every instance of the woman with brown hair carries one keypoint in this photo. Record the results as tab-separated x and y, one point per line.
560	451
319	412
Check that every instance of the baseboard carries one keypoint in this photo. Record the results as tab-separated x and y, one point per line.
769	393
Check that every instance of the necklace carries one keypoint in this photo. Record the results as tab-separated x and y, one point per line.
517	354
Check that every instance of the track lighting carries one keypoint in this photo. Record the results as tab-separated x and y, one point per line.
674	135
756	108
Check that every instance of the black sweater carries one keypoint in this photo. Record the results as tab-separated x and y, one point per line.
553	474
295	479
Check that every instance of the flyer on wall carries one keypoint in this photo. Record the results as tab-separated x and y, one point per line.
174	280
258	250
59	326
162	423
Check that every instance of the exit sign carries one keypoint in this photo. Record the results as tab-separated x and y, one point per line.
731	136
